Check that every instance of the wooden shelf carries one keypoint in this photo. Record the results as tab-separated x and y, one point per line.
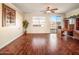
77	23
66	24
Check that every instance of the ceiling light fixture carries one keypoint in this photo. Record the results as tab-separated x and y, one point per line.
48	11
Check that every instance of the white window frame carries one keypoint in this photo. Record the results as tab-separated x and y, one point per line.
38	21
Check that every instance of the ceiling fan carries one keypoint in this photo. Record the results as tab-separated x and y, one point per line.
49	10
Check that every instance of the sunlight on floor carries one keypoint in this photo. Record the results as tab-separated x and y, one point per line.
38	42
53	41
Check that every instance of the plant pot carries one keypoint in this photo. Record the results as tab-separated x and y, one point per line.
25	32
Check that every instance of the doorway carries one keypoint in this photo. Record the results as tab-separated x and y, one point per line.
55	22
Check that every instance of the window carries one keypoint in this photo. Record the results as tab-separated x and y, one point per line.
54	23
72	21
38	21
56	18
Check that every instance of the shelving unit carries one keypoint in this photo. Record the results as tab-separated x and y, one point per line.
66	24
77	23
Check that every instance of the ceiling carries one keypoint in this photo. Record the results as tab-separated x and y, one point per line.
37	7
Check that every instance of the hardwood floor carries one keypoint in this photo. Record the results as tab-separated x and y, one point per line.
42	44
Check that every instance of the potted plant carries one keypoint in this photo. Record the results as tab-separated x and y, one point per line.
74	16
77	15
25	25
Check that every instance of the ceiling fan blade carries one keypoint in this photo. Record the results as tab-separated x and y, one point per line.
55	9
52	11
43	11
48	8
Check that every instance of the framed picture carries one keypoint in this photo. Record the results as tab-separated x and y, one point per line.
8	16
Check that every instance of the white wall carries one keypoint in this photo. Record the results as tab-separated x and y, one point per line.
32	29
45	29
10	33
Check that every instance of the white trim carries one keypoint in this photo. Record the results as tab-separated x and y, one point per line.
10	41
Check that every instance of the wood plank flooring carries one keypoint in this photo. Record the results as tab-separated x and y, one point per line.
42	44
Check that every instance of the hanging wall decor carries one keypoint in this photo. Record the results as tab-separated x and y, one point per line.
8	16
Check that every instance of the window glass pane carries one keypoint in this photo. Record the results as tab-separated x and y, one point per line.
72	21
56	18
38	20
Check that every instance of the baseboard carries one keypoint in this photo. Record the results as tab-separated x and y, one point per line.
11	41
38	33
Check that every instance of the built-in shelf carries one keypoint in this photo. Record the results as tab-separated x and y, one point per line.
77	23
66	24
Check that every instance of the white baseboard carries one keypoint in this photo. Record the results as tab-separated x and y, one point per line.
10	41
